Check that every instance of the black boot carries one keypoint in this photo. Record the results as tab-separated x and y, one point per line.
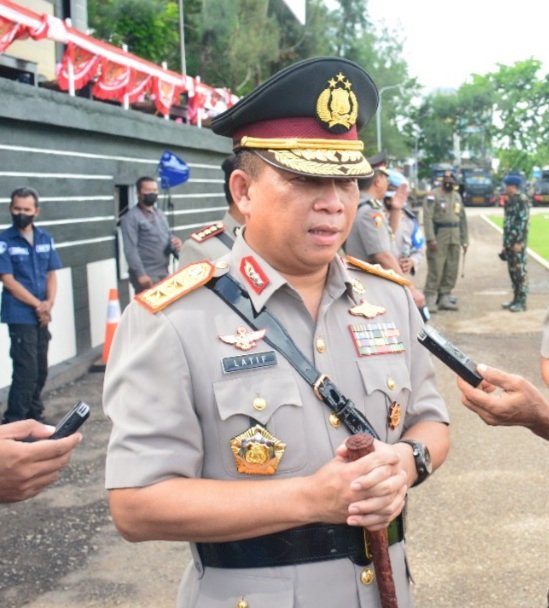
517	307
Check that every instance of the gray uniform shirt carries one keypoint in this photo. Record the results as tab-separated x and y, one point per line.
545	337
211	248
175	411
370	233
146	237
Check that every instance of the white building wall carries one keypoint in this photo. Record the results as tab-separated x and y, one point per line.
62	326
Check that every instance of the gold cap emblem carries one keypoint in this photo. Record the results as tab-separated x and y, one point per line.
337	106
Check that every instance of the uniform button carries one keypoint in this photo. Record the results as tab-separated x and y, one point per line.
259	404
334	421
242	603
391	384
367	576
320	345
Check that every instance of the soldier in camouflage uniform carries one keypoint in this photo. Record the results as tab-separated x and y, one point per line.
515	235
445	226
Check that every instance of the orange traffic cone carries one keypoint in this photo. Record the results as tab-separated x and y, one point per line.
113	317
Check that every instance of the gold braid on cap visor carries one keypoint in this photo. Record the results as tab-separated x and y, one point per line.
295	143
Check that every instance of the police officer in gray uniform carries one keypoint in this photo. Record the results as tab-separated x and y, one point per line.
229	425
215	240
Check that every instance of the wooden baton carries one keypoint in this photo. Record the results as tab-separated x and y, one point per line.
360	445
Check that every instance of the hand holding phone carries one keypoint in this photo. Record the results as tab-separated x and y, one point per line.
449	354
72	420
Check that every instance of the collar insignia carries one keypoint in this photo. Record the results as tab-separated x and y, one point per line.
365	309
244	339
257	452
254	275
337	106
358	287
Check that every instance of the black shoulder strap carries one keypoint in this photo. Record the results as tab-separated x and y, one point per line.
232	294
225	239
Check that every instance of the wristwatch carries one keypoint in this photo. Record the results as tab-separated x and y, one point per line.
424	466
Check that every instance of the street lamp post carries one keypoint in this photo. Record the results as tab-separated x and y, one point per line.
378	114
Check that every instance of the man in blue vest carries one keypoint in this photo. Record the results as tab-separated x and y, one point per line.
28	262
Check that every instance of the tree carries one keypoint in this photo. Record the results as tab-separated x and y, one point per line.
149	28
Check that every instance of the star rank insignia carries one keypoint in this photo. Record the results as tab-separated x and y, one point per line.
358	287
243	338
257	452
365	309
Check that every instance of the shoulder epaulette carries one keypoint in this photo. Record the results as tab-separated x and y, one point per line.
207	232
175	286
378	270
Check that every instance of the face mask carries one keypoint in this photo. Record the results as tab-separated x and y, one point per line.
150	199
22	220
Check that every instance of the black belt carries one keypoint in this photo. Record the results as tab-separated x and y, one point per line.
446	225
312	543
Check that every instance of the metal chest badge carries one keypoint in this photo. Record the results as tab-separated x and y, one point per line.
243	338
257	452
365	309
395	414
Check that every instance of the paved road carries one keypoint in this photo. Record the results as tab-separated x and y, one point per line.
478	531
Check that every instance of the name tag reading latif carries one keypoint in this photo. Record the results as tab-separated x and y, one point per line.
244	362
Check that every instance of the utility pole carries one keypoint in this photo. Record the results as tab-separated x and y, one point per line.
182	39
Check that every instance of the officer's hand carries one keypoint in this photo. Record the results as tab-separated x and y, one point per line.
465	247
44	319
176	243
368	492
418	296
406	265
517	247
27	468
145	281
400	197
432	246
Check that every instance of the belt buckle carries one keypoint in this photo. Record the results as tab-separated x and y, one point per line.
318	383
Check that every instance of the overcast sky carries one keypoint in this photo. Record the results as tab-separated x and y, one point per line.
447	41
